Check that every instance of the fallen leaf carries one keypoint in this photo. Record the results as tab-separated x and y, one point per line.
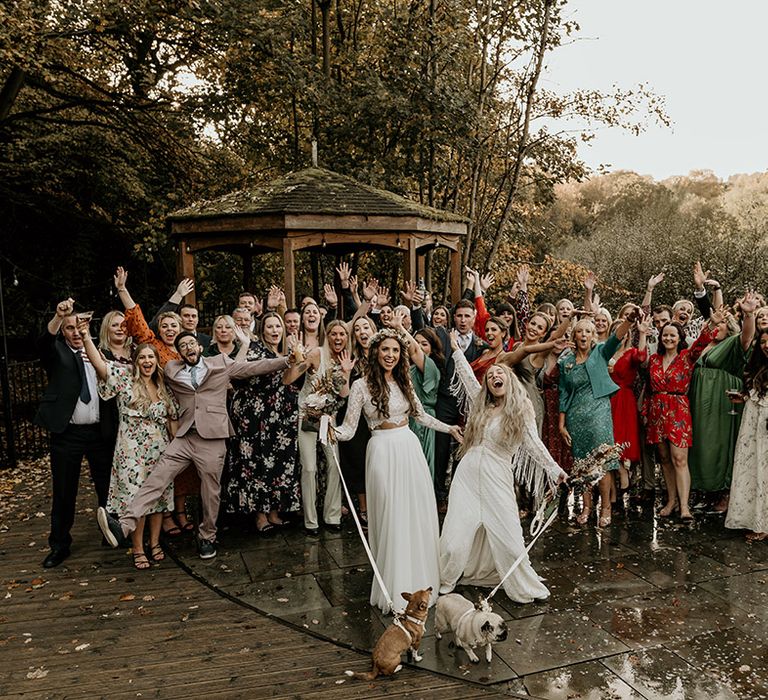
127	596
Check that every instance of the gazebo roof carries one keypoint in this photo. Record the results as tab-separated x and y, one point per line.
312	191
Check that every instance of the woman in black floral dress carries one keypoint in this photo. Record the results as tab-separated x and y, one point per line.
263	456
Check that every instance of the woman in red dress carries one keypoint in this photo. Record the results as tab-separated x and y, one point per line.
667	409
623	368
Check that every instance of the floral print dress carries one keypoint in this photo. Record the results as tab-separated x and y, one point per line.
142	437
263	457
667	409
748	506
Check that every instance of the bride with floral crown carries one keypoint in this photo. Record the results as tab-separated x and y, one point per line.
402	512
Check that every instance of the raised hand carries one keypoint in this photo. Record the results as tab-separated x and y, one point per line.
382	297
184	287
344	273
523	276
346	362
241	336
699	276
454	336
398	315
653	281
65	308
121	277
84	327
748	303
273	297
370	289
644	324
330	295
717	316
258	307
486	281
589	281
352	284
409	291
471	275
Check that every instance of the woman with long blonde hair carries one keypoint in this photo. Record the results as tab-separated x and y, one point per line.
482	536
148	413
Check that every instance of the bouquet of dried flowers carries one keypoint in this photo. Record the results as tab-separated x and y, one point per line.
324	399
588	470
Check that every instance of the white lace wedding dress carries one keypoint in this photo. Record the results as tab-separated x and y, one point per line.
482	536
402	513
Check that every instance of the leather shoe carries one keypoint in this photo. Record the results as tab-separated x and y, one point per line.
55	557
333	527
311	531
110	528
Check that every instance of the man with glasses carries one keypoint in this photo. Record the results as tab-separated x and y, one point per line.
200	385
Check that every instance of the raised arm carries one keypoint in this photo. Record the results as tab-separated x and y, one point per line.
63	309
648	298
415	352
239	369
463	369
121	278
748	306
589	288
94	356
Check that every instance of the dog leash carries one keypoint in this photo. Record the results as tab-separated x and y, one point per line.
524	554
366	546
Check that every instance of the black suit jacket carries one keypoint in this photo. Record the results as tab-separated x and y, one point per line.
60	396
447	409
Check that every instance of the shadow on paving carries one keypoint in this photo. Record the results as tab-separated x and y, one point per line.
642	609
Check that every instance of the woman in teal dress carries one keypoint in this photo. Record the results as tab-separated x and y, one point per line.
720	368
585	403
425	374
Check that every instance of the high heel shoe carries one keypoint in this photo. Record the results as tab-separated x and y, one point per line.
604	520
583	517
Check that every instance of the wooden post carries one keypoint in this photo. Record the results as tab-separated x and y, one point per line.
456	274
411	270
185	264
289	276
247	271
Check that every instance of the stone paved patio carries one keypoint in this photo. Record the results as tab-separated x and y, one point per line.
643	609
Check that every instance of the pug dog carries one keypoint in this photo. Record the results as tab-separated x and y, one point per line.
473	624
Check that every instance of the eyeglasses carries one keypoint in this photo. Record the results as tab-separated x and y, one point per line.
187	346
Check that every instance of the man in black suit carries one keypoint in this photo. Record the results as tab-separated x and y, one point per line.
79	424
447	408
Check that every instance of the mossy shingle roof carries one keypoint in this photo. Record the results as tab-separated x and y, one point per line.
313	191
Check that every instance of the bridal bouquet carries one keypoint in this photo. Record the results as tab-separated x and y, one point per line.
588	470
323	402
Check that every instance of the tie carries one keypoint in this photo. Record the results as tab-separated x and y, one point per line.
193	376
85	392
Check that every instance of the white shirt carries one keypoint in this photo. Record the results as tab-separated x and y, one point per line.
185	375
464	340
87	413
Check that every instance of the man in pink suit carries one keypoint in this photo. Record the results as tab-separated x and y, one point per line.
200	385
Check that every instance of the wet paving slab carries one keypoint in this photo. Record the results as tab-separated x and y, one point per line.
644	608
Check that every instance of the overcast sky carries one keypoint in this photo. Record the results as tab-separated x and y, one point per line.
708	58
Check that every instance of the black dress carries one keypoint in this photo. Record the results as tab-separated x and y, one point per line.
263	456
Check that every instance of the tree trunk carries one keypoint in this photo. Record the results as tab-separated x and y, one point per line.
10	91
524	133
325	12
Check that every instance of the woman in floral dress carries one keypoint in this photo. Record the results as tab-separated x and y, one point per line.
748	507
263	458
148	412
667	410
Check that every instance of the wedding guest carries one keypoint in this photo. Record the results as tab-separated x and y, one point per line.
79	424
148	414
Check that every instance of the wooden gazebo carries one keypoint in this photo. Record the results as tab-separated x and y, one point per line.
321	210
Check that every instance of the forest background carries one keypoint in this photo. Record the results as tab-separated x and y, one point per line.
113	115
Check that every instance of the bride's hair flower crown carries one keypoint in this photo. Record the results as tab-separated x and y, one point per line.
385	333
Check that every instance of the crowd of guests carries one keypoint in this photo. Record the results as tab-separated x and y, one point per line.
163	411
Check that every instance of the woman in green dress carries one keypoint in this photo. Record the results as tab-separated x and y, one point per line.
426	379
586	387
715	427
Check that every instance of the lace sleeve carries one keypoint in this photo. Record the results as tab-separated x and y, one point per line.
533	466
464	385
347	429
423	418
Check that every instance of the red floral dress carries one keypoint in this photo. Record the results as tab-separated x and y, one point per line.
626	424
666	409
550	434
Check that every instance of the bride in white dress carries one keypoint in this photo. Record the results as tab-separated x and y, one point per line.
402	512
482	536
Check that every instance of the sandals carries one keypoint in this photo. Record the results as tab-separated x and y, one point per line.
583	517
667	510
174	531
188	526
140	561
604	520
268	529
156	552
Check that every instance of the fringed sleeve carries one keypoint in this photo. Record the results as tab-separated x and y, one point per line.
464	385
534	467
